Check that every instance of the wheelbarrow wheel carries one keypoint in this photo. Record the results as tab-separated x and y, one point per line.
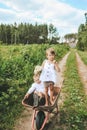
40	119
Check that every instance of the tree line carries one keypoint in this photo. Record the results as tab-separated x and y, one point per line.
71	38
26	33
82	37
79	38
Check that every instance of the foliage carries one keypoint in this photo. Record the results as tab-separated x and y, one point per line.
74	111
26	33
71	38
82	37
53	34
83	56
16	71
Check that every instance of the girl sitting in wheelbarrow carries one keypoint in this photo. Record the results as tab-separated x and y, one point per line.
37	99
37	88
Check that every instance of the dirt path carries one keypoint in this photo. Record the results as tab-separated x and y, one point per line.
24	123
62	64
82	69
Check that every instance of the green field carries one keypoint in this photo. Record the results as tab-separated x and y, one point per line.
16	70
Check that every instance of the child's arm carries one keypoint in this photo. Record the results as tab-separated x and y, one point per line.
26	95
32	89
43	64
56	66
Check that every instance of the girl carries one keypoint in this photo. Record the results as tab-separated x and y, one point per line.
49	73
37	87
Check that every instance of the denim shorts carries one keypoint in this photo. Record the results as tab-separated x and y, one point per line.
48	83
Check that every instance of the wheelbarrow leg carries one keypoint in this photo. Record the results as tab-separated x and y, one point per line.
33	118
56	108
45	121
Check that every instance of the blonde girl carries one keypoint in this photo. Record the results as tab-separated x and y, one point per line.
49	73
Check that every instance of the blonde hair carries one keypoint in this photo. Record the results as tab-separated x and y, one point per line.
51	51
37	69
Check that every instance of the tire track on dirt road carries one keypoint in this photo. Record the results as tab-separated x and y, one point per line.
82	69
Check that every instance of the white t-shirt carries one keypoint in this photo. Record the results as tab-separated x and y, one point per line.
38	87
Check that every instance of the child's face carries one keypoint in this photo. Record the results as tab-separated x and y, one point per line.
36	78
50	56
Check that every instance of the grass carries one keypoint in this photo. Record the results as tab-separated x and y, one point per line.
74	110
83	56
16	71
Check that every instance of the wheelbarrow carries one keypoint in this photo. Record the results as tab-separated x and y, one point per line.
40	112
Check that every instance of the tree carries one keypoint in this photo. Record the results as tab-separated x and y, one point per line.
26	33
53	35
43	33
72	37
82	37
3	37
81	28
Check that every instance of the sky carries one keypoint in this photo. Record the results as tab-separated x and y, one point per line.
65	15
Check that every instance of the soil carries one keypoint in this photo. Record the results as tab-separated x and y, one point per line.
82	69
24	123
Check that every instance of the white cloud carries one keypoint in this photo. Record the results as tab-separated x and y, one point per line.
7	15
63	16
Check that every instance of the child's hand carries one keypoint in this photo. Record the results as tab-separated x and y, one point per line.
56	66
26	96
54	61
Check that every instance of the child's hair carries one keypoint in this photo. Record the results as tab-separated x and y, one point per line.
51	51
37	69
36	75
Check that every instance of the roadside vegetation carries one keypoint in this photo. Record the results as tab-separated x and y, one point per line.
82	37
73	114
16	70
83	55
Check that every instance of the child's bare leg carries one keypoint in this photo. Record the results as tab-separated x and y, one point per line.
46	95
41	94
36	93
56	90
51	93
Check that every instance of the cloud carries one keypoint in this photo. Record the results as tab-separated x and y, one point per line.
7	15
63	16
